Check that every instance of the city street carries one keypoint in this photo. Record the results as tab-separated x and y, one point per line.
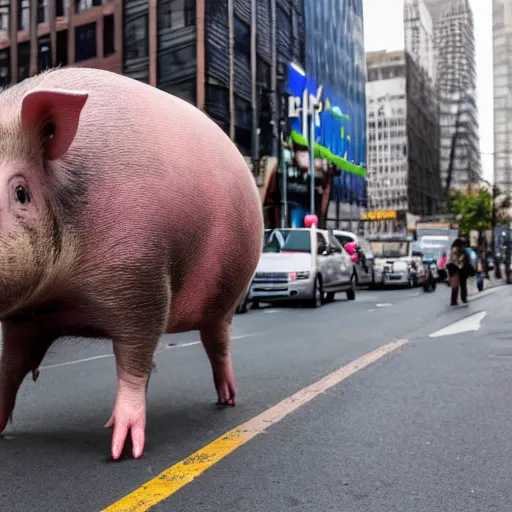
424	427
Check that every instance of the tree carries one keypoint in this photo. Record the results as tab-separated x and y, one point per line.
474	210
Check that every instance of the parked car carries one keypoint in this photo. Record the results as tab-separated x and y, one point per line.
364	265
396	262
307	265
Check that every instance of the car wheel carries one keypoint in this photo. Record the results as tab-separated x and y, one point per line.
351	294
242	307
329	297
318	294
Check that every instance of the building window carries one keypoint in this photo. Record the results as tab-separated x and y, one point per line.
85	42
108	35
243	125
83	5
44	54
5	67
62	48
4	14
174	14
136	38
242	40
42	11
262	74
60	9
23	61
24	15
185	90
172	62
217	102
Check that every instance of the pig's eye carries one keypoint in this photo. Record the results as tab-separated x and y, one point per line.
22	195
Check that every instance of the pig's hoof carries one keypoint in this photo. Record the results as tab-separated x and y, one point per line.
122	425
226	394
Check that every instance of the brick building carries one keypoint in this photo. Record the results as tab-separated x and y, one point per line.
38	34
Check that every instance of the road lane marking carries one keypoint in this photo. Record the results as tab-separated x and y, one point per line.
105	356
384	305
468	324
173	479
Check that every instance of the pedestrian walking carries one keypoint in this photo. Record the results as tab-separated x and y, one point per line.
458	271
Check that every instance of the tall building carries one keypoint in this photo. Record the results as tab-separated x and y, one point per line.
403	135
39	34
502	38
455	77
419	35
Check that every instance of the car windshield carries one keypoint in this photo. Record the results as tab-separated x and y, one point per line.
282	240
432	253
343	239
390	249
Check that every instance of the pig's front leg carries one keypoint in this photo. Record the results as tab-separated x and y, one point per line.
24	347
134	363
135	336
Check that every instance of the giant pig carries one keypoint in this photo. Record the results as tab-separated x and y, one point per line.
125	213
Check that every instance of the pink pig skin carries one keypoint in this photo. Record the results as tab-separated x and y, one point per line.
127	213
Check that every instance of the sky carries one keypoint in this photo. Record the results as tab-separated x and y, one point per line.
380	15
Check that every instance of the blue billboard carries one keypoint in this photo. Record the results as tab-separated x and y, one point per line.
335	60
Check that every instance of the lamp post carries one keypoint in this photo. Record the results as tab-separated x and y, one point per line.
282	134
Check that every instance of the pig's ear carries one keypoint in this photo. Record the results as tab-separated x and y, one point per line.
57	113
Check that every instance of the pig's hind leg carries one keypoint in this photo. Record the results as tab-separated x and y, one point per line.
23	348
216	339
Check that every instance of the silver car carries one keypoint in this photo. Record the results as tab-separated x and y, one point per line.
307	265
364	266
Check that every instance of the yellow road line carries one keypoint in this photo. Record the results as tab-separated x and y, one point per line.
173	479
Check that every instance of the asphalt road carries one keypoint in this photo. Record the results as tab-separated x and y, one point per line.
425	428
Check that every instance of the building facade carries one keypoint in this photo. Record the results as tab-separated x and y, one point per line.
334	60
502	44
455	80
207	51
419	36
403	135
38	34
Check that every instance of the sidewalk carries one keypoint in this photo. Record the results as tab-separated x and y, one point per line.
488	283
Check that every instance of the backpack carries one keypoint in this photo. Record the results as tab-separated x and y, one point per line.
472	261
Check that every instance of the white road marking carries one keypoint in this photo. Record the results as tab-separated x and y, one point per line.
468	324
270	311
384	305
105	356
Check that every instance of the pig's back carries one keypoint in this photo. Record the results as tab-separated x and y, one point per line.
166	183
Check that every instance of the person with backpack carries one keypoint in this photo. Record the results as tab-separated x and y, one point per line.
458	266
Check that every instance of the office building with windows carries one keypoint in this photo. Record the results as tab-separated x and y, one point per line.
403	135
39	34
204	51
455	81
419	36
502	40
